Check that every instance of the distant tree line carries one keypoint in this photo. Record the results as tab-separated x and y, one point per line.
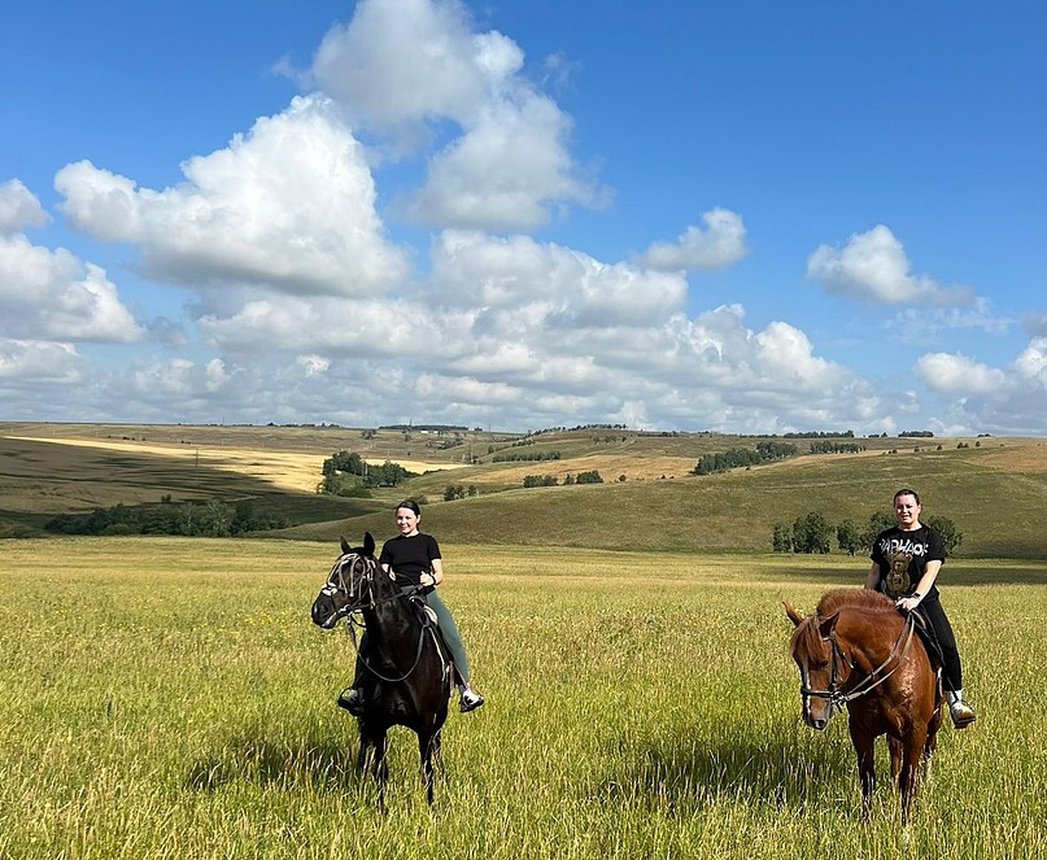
191	519
458	491
347	474
578	427
525	456
812	533
432	428
820	434
590	477
764	452
827	447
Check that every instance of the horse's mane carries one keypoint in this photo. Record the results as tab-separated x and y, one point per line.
807	638
858	598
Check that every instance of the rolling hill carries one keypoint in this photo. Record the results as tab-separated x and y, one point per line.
994	489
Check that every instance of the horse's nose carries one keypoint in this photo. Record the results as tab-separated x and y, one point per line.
323	608
818	723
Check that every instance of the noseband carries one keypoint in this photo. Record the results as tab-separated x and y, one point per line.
836	696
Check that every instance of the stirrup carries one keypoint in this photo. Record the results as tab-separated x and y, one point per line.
469	701
962	714
352	700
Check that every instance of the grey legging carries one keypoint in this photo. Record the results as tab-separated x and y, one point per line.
449	631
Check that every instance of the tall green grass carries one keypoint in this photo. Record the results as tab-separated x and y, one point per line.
170	698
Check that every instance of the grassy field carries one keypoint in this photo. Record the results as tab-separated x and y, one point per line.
170	698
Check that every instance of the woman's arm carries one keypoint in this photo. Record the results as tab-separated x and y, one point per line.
436	575
872	579
930	574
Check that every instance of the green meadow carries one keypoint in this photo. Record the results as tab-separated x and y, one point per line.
165	697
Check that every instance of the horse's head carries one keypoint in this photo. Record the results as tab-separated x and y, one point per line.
348	584
821	664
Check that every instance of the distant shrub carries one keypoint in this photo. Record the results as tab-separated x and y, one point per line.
811	533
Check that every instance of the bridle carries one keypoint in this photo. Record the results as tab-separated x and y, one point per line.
360	589
835	694
354	589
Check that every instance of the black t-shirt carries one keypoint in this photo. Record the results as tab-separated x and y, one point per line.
902	557
410	557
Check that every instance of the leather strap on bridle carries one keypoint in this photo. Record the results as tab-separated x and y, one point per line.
836	696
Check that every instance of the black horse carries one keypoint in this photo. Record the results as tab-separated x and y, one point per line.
409	675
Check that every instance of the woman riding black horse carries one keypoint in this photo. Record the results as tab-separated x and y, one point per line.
409	675
413	558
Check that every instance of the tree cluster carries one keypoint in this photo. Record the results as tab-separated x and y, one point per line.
346	474
764	452
812	533
826	447
458	491
526	456
590	477
819	434
191	519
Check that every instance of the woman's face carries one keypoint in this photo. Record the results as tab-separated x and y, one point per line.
407	521
907	512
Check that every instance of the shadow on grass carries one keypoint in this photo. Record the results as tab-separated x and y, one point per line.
682	776
321	764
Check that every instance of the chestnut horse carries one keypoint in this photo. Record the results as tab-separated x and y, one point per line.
409	674
858	650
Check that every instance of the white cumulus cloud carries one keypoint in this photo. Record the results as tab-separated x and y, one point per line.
52	295
19	208
957	373
32	362
402	69
874	266
290	205
722	243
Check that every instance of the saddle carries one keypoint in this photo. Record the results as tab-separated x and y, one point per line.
431	626
925	631
425	613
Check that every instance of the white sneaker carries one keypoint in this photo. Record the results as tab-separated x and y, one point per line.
469	701
962	714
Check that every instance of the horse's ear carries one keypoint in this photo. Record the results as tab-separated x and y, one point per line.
828	625
368	544
346	549
794	616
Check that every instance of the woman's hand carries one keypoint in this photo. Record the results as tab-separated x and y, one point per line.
909	603
425	575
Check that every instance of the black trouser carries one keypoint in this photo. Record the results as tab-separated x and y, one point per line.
931	609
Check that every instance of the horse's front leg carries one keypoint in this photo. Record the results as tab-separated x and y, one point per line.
437	745
895	746
427	745
380	768
863	748
373	747
913	749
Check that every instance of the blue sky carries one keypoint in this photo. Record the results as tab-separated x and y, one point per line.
748	217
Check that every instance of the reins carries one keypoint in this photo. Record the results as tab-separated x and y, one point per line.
354	609
836	696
